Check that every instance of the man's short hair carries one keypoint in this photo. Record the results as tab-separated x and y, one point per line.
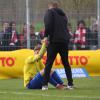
54	3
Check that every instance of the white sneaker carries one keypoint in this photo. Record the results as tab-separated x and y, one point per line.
70	87
44	87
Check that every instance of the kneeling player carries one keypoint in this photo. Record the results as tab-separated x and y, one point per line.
34	70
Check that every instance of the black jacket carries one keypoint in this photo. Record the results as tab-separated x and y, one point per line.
55	22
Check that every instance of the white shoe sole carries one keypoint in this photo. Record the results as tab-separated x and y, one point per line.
44	88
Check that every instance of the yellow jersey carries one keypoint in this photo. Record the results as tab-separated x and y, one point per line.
31	69
33	65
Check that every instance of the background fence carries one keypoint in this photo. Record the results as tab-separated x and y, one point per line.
13	12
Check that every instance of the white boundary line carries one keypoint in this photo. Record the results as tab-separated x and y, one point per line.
47	95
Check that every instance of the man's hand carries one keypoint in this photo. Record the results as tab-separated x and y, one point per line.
45	40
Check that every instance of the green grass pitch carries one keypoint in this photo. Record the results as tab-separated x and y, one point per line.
86	89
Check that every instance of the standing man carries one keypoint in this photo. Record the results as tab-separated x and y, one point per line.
57	34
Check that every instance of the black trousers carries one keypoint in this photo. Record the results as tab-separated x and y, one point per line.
52	51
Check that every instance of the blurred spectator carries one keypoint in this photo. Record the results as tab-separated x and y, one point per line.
94	36
11	39
71	36
41	33
23	37
5	26
82	36
34	37
93	22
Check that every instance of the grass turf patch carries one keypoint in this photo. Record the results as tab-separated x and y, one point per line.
86	89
